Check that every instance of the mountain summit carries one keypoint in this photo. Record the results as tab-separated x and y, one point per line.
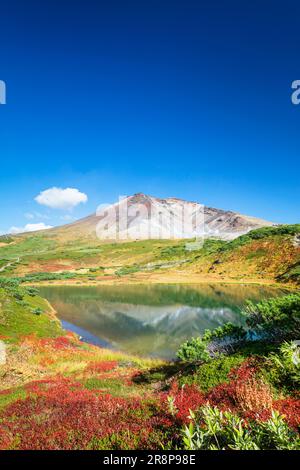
143	217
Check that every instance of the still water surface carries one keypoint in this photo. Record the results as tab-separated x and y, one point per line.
150	320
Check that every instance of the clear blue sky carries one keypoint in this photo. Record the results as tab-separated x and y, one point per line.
171	98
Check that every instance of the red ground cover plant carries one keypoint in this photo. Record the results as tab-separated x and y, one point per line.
62	414
225	395
222	396
59	343
130	376
288	407
186	398
5	440
254	394
103	366
46	361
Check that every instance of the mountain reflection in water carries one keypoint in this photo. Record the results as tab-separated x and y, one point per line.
150	320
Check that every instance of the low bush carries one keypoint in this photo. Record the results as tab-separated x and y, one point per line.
213	373
282	369
276	318
291	275
264	232
127	270
37	311
182	399
213	429
6	239
193	350
212	343
253	395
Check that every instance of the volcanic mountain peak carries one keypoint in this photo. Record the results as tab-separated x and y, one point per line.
141	216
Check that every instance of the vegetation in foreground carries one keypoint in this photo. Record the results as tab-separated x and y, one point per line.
232	389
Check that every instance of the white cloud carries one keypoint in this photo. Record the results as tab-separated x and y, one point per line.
29	228
59	198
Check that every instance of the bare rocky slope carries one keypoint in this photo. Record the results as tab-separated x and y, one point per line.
141	216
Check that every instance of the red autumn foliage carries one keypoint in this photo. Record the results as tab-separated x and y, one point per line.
246	370
185	399
5	440
225	395
61	414
290	408
99	367
59	343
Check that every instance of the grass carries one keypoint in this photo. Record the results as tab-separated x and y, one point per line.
18	318
11	396
113	386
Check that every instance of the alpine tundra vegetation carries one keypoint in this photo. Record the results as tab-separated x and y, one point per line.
233	387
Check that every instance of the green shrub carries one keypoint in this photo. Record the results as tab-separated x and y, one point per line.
14	282
173	251
274	319
22	303
32	291
193	350
278	317
282	369
293	274
6	239
18	295
212	373
213	342
224	430
227	330
127	270
37	311
261	233
7	282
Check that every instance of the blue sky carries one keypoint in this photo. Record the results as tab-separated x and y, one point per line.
170	98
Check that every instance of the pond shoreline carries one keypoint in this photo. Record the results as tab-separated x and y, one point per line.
136	281
150	320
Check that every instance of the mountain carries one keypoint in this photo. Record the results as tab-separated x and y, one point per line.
141	216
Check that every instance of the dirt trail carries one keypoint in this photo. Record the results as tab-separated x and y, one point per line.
16	260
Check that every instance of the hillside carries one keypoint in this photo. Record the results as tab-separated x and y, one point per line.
264	255
270	253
